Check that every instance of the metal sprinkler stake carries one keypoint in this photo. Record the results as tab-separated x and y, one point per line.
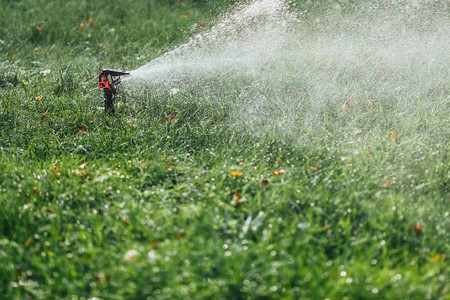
108	82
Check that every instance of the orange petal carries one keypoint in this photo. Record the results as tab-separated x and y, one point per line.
172	117
142	165
44	115
36	191
237	200
235	174
82	173
418	229
392	135
278	172
368	102
171	165
346	104
313	169
438	258
81	129
57	173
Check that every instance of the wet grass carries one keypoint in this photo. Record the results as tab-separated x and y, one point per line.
78	189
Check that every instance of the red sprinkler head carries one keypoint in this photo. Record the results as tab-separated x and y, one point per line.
107	80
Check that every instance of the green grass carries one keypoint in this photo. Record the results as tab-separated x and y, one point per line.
342	230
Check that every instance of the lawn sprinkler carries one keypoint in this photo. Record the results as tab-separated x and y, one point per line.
107	80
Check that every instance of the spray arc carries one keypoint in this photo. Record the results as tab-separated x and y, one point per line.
108	79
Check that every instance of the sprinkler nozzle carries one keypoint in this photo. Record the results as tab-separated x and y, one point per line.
107	80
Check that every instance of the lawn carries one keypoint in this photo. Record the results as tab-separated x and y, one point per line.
200	193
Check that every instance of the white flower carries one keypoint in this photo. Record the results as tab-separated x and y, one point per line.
131	255
152	256
45	72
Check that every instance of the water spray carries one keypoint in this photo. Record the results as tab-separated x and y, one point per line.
107	80
289	68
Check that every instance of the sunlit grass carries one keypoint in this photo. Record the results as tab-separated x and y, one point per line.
138	206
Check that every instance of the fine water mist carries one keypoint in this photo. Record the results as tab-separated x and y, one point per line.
280	64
